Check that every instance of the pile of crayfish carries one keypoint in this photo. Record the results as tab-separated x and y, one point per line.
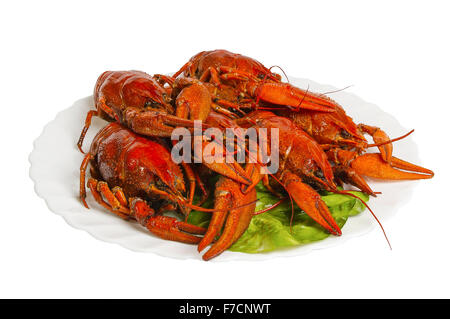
133	175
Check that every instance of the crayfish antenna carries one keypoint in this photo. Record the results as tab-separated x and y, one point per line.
270	207
277	66
370	210
391	140
213	210
335	91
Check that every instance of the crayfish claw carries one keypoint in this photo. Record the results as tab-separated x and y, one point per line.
311	203
373	165
172	229
237	220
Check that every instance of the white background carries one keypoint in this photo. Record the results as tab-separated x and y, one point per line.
396	54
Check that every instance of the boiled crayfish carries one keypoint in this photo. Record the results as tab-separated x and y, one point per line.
345	145
251	81
128	172
320	147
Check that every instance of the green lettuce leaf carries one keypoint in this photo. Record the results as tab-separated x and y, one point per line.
273	230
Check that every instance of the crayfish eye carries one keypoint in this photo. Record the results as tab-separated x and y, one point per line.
167	98
345	134
261	76
319	174
152	104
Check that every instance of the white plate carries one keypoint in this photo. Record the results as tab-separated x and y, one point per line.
55	163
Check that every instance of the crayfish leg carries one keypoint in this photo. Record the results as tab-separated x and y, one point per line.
154	123
83	168
120	196
349	175
87	124
163	226
93	185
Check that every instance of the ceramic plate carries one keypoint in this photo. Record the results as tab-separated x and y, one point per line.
55	163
